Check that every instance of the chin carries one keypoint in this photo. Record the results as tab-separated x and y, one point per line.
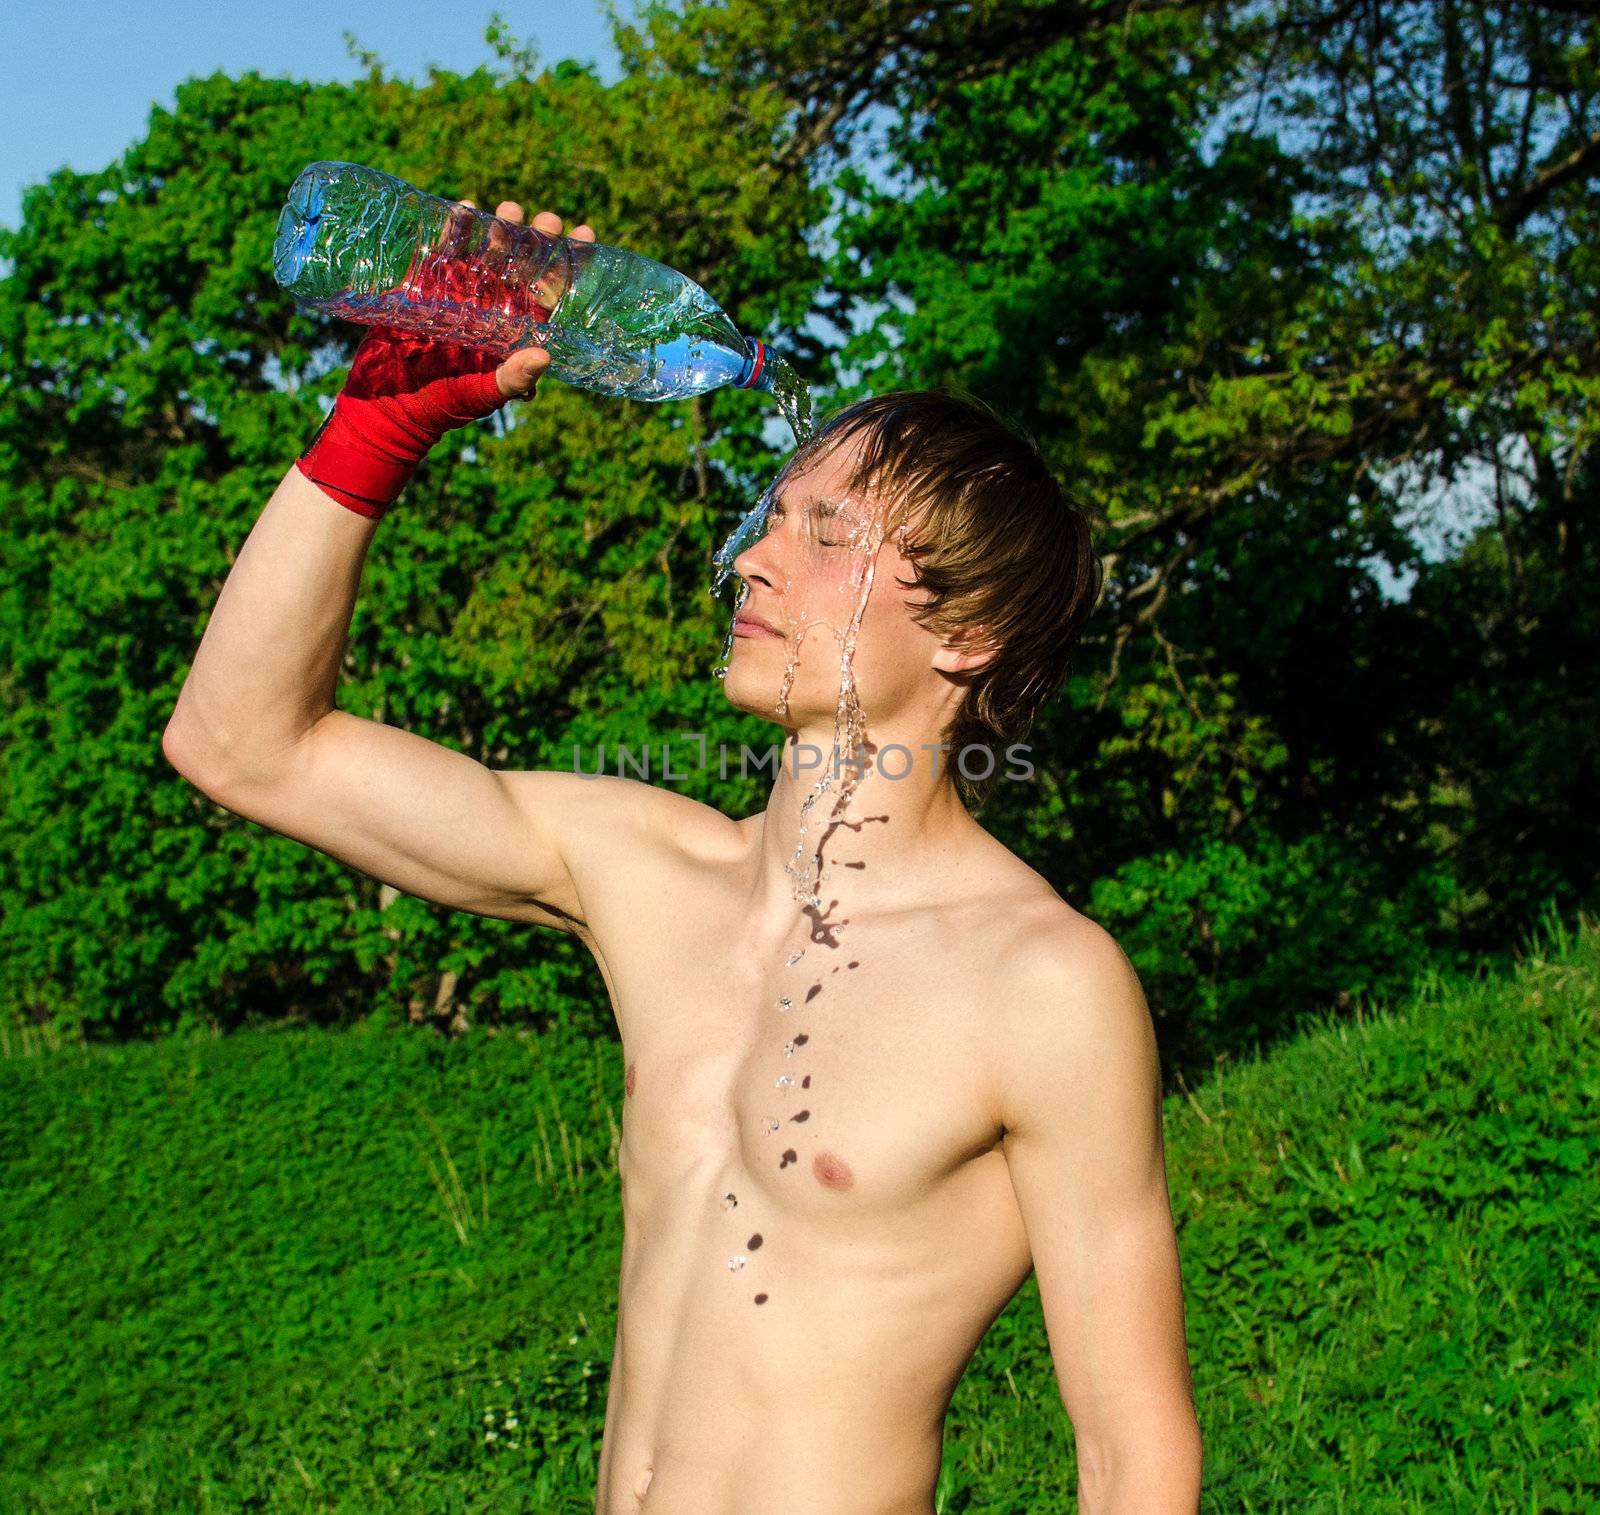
751	693
758	696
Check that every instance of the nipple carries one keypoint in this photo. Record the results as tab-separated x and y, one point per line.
832	1172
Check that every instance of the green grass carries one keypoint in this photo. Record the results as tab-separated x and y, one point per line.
289	1270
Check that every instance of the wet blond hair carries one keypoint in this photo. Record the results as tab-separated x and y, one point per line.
1005	555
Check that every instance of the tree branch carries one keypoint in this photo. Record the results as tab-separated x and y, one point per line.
1582	162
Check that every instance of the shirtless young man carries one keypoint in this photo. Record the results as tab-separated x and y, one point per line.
853	1123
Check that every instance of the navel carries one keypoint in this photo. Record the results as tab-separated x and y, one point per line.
832	1172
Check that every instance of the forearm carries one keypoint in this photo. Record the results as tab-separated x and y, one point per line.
1156	1479
1145	1493
268	665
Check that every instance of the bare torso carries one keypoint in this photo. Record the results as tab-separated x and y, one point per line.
873	1235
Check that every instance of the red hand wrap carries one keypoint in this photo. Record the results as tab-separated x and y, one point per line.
402	395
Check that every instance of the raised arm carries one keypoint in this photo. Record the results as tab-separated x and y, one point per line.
256	726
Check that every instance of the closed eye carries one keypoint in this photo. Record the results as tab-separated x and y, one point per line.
776	513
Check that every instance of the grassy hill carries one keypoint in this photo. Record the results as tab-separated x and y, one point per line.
289	1270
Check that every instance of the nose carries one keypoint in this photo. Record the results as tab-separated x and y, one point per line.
757	563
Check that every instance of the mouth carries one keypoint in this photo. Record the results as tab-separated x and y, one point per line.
749	626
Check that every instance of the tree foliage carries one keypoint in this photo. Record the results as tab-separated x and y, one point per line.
1276	288
156	385
1279	288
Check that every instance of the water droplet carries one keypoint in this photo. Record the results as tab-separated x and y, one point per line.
788	1049
728	1202
769	1125
735	1263
785	1003
796	958
785	1082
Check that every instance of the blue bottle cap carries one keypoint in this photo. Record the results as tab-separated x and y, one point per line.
754	363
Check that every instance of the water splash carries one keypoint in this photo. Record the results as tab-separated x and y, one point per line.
866	533
792	396
849	723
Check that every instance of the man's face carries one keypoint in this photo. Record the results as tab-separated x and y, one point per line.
815	564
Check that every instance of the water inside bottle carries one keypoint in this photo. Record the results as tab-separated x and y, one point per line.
358	243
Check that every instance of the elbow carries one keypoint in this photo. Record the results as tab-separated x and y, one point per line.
169	746
172	748
179	749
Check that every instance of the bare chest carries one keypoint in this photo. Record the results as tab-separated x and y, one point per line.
840	1074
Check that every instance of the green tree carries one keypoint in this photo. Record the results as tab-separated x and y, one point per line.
1264	282
154	385
1255	277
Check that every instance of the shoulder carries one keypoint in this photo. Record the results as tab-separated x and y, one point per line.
1074	1019
1047	957
1061	952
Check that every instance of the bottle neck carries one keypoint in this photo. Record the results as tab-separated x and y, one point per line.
755	365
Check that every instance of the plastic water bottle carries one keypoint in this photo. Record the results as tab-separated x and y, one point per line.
368	247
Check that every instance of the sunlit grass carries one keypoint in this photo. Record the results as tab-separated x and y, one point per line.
312	1271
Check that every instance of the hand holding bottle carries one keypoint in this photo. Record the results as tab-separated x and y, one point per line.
403	393
519	374
360	244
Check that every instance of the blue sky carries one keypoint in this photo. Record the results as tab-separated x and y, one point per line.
77	81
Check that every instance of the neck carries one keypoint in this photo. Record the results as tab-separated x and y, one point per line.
896	842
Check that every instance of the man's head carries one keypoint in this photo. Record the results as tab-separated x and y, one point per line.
983	574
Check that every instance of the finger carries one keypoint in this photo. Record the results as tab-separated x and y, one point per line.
548	222
509	210
519	375
456	222
584	233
